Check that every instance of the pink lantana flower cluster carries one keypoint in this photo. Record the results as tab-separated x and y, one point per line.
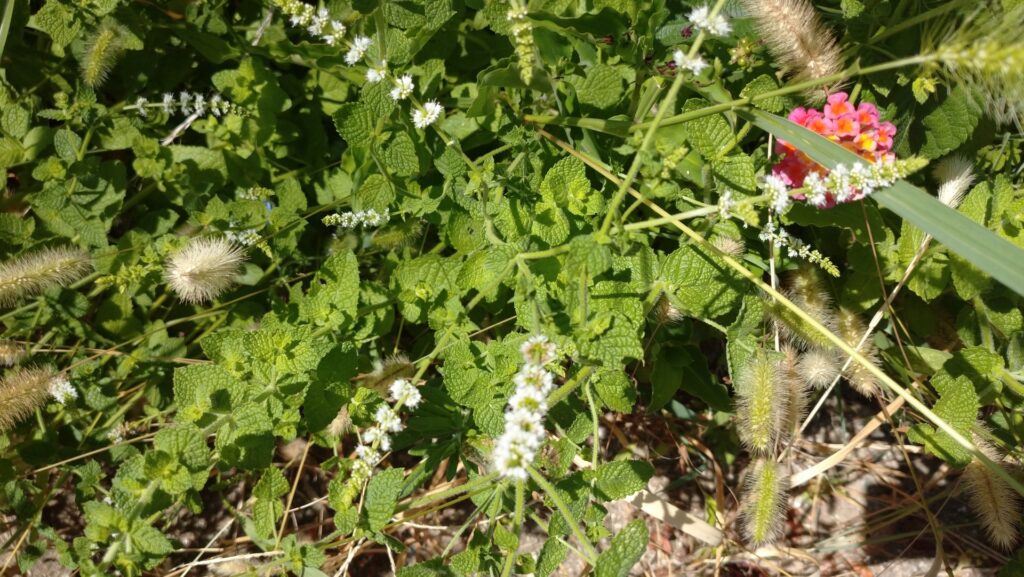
856	128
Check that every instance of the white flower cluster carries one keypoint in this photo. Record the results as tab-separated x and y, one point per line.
358	49
187	103
369	217
726	203
377	439
318	23
774	186
61	389
517	447
702	20
403	88
247	237
424	117
851	184
696	65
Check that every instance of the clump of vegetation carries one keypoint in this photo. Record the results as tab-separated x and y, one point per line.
446	287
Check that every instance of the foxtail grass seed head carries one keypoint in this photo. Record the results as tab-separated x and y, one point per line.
666	312
986	55
385	373
806	290
818	368
22	391
796	389
341	424
761	400
955	175
204	269
10	352
850	327
102	49
796	37
734	247
993	499
763	507
31	273
398	235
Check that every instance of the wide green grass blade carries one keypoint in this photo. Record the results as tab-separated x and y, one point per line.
995	255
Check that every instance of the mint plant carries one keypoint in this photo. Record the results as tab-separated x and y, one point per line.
446	287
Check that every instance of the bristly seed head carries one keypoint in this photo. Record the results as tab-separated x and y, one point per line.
22	391
955	175
30	274
203	269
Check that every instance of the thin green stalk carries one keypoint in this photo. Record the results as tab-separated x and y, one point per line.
589	552
463	488
517	523
666	104
854	70
595	449
566	389
5	25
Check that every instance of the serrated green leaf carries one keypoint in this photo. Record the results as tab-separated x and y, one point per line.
708	134
619	479
602	87
703	284
354	122
382	494
267	507
951	124
615	389
400	156
958	406
626	548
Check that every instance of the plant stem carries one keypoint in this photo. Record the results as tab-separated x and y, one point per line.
589	553
562	392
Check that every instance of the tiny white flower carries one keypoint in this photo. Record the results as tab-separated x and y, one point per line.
774	186
387	419
199	104
375	75
183	102
168	103
358	49
403	391
403	88
376	435
696	64
427	115
140	106
538	350
535	378
61	389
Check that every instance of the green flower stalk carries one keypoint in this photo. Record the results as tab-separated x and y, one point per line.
30	274
763	507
